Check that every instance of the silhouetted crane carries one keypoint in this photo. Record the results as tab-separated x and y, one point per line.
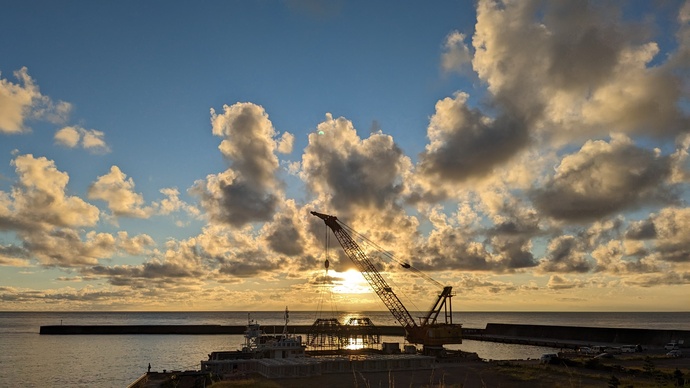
428	332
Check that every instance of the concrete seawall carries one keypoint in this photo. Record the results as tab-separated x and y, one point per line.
195	329
572	336
559	336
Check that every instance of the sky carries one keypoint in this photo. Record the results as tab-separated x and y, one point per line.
165	156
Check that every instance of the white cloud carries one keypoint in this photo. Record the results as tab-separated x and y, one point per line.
352	174
286	142
558	282
89	139
23	101
118	191
604	178
456	54
93	141
667	231
249	190
575	68
68	137
40	197
172	203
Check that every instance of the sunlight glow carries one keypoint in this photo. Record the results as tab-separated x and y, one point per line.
350	282
355	344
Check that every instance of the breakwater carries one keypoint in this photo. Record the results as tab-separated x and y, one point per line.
543	335
573	337
199	329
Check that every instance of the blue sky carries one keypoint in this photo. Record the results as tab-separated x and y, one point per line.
165	155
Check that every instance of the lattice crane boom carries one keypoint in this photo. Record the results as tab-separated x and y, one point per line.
428	332
373	277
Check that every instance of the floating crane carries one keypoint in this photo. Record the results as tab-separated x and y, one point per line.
428	332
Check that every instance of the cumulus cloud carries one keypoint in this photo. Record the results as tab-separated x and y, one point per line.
89	139
284	234
285	143
456	54
14	256
40	200
449	247
565	254
172	203
249	190
349	173
359	180
514	251
641	230
68	137
615	258
65	248
681	58
23	101
515	224
603	178
464	143
227	253
557	282
118	191
577	67
136	245
248	142
181	263
666	230
49	223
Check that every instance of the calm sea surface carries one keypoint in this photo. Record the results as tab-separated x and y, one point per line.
28	359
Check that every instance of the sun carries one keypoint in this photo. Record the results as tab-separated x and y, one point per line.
350	282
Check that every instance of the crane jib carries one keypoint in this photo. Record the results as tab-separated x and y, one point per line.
331	221
429	333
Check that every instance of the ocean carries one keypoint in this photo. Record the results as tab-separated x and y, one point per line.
28	359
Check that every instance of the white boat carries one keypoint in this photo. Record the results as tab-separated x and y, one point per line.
258	344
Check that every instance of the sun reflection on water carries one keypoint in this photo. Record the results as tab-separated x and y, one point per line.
355	344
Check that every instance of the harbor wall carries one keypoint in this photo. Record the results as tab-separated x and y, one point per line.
622	336
501	332
198	329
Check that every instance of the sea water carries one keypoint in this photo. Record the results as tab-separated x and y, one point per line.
28	359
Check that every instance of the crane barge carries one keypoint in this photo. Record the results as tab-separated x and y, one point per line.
429	331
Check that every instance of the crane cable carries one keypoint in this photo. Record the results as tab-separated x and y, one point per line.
400	290
390	255
328	287
327	264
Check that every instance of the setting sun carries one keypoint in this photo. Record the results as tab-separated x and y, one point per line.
350	282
